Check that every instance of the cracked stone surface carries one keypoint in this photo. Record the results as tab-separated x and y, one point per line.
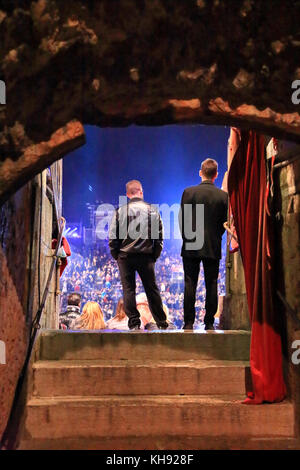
148	62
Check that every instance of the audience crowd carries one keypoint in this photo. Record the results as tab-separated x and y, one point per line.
94	274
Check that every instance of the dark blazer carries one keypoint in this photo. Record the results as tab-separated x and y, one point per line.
215	203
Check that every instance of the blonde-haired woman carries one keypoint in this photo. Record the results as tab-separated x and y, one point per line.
90	319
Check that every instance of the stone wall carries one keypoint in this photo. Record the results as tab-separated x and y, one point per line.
288	203
15	230
26	228
235	314
45	225
287	193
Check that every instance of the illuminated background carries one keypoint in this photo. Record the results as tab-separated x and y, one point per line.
166	160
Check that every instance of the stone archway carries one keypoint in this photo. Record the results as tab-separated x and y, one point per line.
150	63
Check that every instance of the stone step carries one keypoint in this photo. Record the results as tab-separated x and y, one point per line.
124	416
162	345
97	378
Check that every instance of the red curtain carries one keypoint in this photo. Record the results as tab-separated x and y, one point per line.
248	190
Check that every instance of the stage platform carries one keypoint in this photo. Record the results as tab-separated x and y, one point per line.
156	344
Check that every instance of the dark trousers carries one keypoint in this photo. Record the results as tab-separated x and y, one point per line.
191	268
144	265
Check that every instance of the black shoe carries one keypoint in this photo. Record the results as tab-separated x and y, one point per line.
169	326
135	328
151	326
209	326
188	326
164	326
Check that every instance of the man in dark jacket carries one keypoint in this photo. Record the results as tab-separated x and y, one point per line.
72	312
136	241
202	238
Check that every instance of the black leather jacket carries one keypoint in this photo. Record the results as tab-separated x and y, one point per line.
67	318
136	228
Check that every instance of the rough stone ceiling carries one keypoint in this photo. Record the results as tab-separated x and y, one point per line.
150	62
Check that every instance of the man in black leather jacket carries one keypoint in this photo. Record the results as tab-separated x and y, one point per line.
136	241
72	313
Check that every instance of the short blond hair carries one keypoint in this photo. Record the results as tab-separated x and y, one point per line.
133	186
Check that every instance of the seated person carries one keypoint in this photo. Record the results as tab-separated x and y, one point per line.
120	320
90	319
147	320
72	312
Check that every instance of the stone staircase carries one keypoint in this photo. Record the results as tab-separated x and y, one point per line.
148	390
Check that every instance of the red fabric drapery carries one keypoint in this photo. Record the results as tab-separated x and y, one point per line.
66	247
247	188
